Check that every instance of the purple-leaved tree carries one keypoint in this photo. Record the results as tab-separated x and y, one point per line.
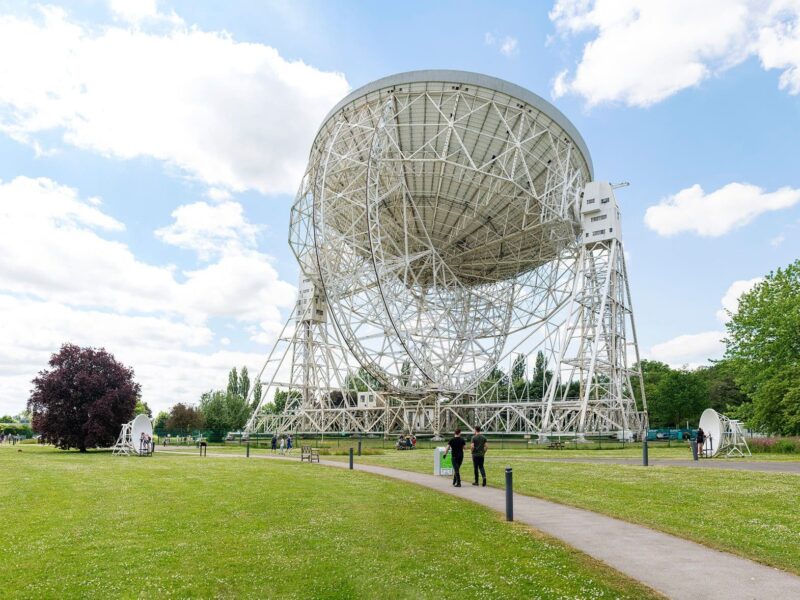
83	399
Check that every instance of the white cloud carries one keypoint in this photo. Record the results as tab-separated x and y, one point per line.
777	240
715	214
209	229
644	51
234	115
170	358
730	301
692	350
62	279
695	349
50	248
507	45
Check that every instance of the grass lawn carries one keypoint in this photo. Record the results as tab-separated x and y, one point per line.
98	526
753	514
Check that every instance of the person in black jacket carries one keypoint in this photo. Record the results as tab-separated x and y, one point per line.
701	440
456	446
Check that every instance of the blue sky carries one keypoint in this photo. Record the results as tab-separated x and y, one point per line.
149	154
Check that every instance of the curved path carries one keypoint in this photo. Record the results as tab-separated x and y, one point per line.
778	466
673	566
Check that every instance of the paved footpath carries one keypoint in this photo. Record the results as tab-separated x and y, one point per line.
733	464
673	566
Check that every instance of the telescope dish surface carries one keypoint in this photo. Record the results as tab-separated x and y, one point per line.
438	214
712	425
141	424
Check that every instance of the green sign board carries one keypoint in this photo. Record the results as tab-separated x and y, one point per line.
447	462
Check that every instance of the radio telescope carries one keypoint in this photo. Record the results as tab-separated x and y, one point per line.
449	234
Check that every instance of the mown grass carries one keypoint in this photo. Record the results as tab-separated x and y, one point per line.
753	514
98	526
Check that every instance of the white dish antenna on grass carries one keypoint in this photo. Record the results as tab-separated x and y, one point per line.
722	434
130	436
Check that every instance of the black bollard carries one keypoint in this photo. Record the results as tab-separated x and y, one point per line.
509	495
645	460
694	449
351	458
248	448
359	447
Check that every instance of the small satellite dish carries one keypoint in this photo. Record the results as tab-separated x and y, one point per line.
714	428
141	424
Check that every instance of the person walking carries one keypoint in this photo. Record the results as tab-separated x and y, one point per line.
289	444
479	446
456	446
283	445
274	442
701	441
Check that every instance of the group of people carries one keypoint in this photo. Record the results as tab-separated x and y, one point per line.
9	438
284	445
408	442
478	446
145	440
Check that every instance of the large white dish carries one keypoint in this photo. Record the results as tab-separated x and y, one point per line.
711	423
141	424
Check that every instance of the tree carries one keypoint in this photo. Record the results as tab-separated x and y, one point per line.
223	412
724	395
518	369
541	377
679	396
233	382
244	383
763	347
142	409
652	373
184	417
258	391
160	424
6	419
83	399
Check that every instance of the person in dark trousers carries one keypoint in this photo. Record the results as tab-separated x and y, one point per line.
701	440
456	446
479	446
274	443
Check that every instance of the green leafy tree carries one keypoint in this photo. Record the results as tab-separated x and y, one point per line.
679	396
653	372
6	419
160	424
541	377
258	391
518	368
223	412
233	382
142	409
244	383
763	347
724	395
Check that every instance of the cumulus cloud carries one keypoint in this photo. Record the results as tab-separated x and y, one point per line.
692	350
695	349
210	230
715	214
173	360
64	278
643	51
52	246
231	114
507	45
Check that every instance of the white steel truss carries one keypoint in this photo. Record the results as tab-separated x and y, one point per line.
441	232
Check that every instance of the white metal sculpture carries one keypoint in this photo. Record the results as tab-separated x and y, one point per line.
131	437
723	435
448	232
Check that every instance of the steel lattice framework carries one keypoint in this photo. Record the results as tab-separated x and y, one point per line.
445	230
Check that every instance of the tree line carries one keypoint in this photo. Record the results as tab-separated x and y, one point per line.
218	412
